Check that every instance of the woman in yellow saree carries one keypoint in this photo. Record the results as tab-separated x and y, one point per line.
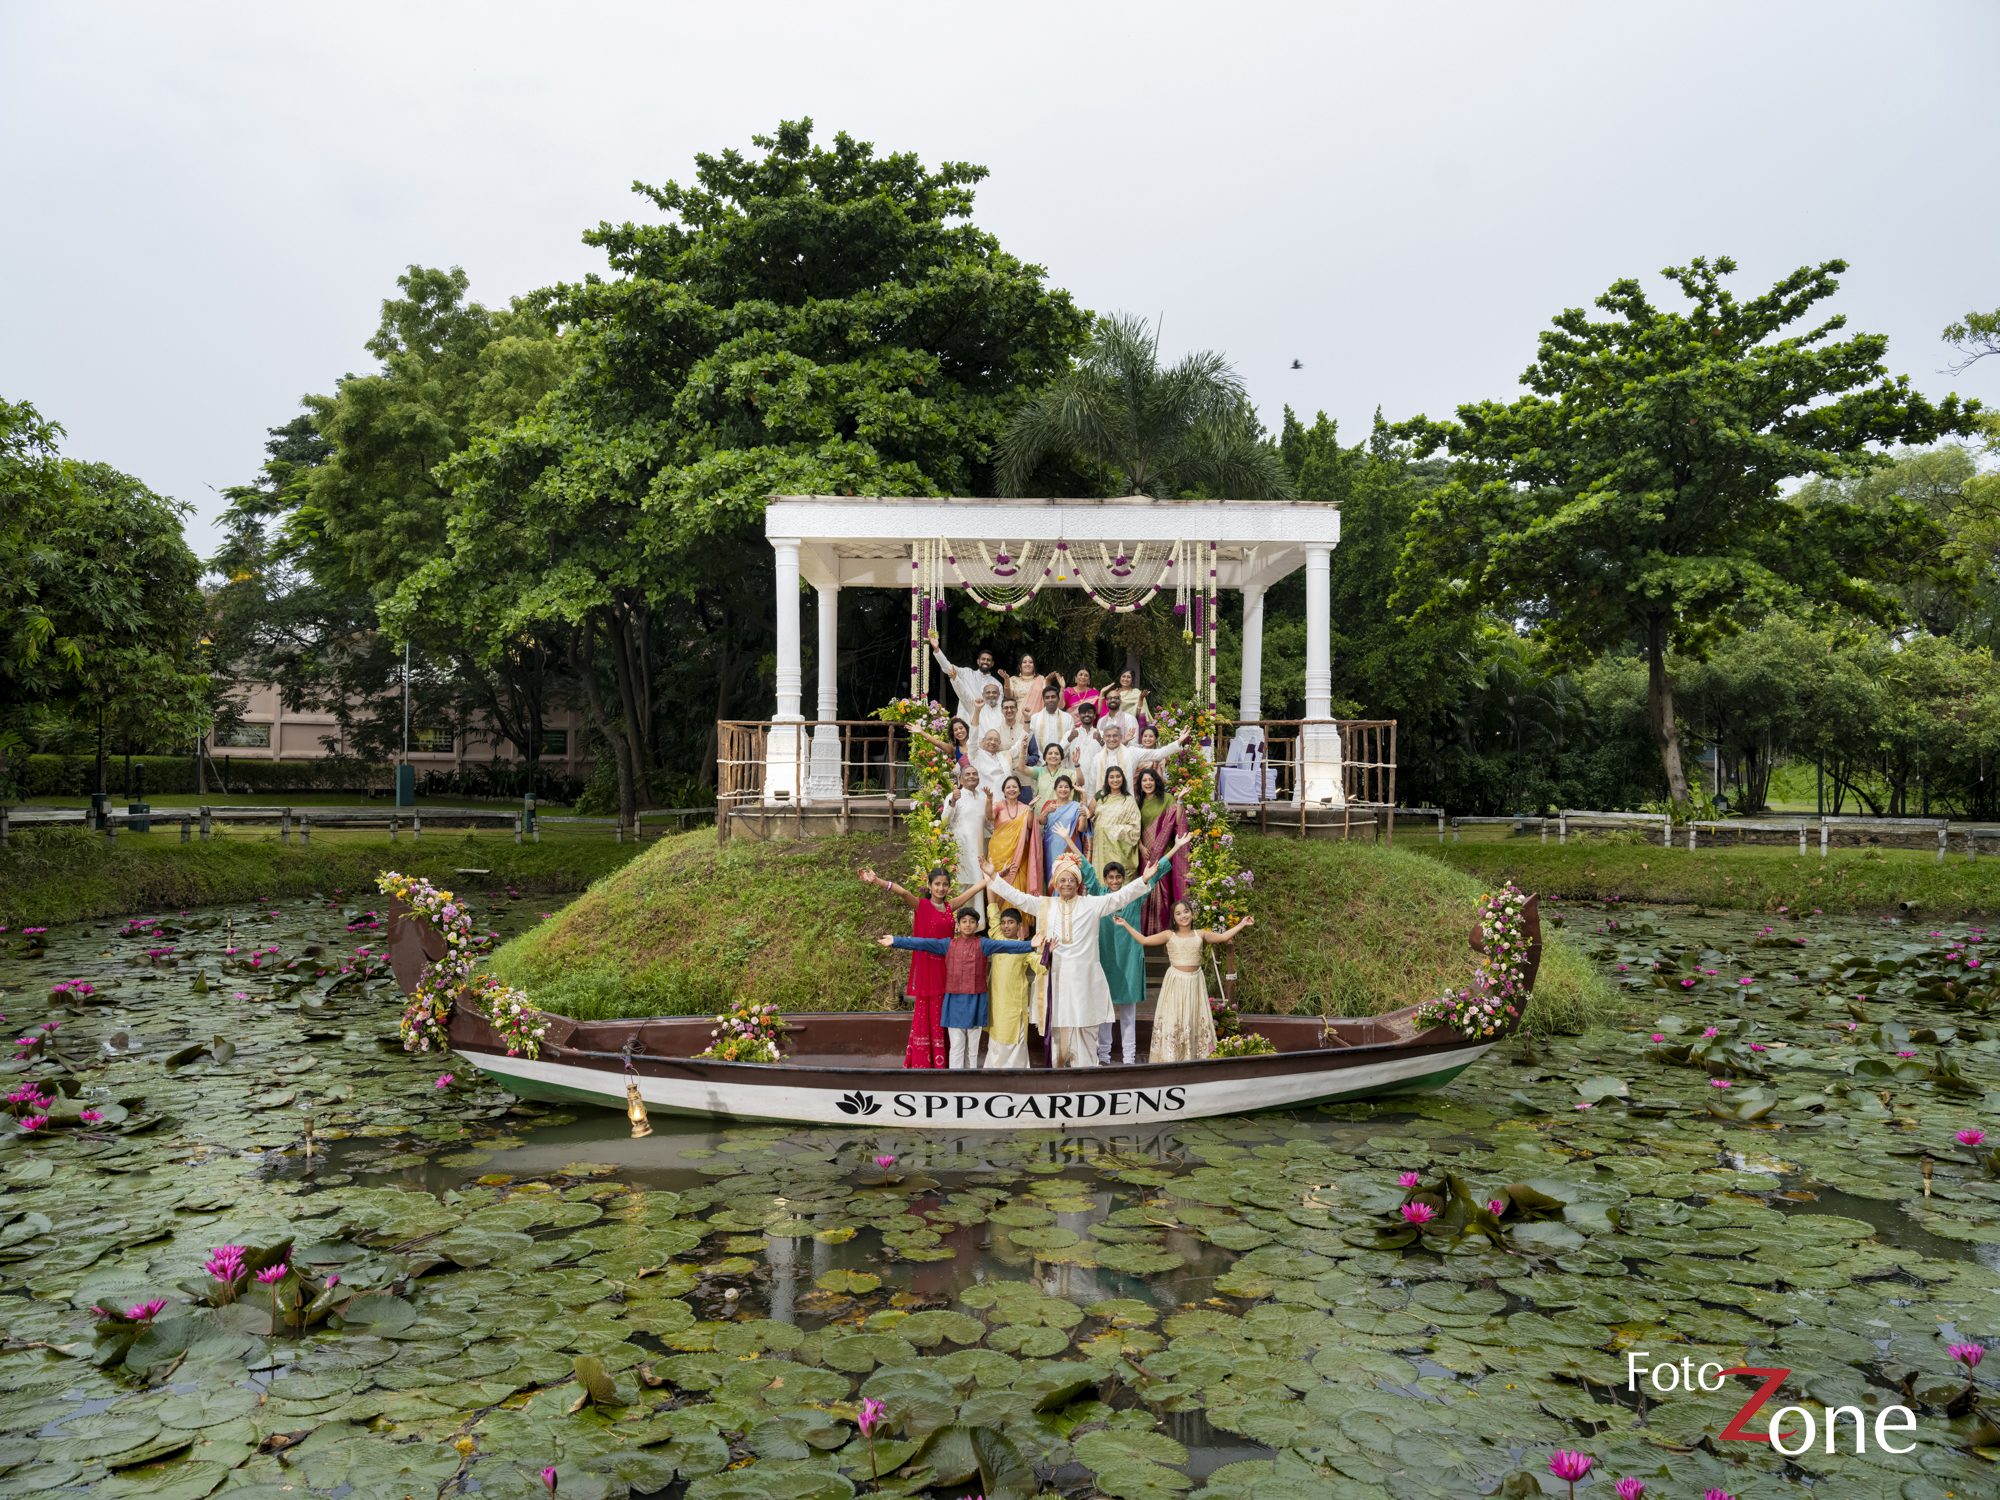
1014	849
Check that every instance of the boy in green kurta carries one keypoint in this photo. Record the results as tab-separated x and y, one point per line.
1123	960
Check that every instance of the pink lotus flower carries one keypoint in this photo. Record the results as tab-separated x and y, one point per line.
224	1263
145	1312
1631	1489
32	1123
1718	1083
1758	1047
1716	1494
1709	1032
1584	1104
1496	1206
1419	1214
1659	1036
1569	1466
1968	1355
1971	1136
1409	1180
871	1415
1746	980
333	1278
444	1081
1906	1054
271	1275
885	1162
549	1479
89	1116
1688	984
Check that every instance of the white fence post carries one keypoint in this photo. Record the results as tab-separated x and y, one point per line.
1822	838
1562	828
1943	834
1667	831
1802	838
1690	838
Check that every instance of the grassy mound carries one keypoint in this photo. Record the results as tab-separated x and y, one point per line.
688	928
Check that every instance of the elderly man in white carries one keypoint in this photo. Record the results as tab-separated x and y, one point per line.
1129	757
1066	925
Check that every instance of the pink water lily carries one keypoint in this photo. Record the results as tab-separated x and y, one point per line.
871	1415
549	1479
1409	1180
1570	1466
1659	1036
32	1123
1968	1355
444	1081
1418	1214
1711	1031
271	1275
89	1116
1496	1206
1758	1047
1716	1494
224	1263
145	1312
1971	1136
1718	1083
885	1162
1631	1489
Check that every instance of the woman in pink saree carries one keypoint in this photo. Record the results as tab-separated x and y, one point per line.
1162	821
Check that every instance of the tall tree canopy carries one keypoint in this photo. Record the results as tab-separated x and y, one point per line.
1638	493
810	318
100	607
1163	430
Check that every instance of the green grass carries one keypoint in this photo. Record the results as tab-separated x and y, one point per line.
1864	882
688	928
68	875
161	801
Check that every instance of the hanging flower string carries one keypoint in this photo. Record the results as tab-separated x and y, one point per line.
426	1022
933	771
1218	885
1494	999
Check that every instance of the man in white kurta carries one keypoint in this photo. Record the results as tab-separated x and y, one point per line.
1066	925
969	683
991	762
1051	724
1129	756
965	816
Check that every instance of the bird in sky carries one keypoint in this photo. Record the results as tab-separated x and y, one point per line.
1298	364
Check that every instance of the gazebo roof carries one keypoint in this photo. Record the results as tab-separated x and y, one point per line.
863	541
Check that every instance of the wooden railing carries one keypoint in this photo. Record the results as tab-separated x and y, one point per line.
764	766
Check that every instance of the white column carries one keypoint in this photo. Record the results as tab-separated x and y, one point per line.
789	673
1250	700
1319	744
784	741
1246	778
825	782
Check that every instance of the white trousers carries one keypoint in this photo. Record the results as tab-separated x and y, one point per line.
964	1045
1075	1046
1127	1026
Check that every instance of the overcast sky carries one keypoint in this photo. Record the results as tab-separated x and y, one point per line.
208	202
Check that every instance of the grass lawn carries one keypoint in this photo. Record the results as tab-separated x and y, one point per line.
162	801
688	928
68	875
1866	882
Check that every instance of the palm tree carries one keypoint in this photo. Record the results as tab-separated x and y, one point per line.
1188	426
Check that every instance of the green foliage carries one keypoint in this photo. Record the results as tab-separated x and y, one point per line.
1169	431
100	609
1974	336
1636	495
811	319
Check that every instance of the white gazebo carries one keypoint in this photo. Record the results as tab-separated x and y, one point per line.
1001	553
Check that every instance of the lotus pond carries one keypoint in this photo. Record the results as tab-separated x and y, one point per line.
249	1247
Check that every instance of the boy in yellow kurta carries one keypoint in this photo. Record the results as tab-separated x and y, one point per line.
1011	983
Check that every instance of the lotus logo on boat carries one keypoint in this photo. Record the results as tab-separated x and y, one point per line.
857	1103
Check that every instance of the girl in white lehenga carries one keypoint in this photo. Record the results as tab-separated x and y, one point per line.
1183	1029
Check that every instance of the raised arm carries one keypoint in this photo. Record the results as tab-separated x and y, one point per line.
939	946
1159	752
967	894
1230	934
1005	945
1157	940
999	886
938	651
869	877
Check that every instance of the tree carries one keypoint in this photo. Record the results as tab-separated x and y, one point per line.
1162	431
1637	494
811	319
1974	336
348	507
100	608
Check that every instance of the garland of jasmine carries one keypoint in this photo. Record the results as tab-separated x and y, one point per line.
1498	990
931	843
425	1025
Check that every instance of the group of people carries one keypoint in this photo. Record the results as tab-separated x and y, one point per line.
1064	823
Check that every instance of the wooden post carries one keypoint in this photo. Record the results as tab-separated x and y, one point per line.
416	824
305	828
1802	838
519	818
207	827
392	828
186	828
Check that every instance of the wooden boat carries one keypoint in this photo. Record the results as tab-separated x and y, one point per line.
845	1068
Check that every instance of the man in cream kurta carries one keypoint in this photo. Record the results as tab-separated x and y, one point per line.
965	812
1067	927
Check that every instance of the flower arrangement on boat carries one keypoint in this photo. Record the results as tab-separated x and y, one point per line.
1218	884
749	1033
426	1018
1243	1044
1493	999
518	1023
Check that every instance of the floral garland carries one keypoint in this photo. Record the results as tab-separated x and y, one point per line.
1498	991
1218	884
1243	1044
426	1021
931	843
749	1033
518	1023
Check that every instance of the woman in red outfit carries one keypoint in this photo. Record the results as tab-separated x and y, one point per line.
928	1046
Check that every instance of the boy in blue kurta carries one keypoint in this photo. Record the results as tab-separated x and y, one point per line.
966	1010
1123	960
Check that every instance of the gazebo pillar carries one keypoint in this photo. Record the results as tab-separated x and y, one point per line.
825	782
785	744
1320	775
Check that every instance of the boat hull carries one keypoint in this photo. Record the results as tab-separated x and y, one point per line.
1072	1099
